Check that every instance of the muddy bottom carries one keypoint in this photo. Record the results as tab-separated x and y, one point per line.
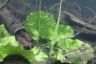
15	59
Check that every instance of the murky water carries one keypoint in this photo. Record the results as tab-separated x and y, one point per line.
83	9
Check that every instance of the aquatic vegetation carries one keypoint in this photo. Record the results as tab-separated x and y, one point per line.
42	25
3	31
60	44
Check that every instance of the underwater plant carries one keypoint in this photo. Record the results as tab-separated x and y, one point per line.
41	25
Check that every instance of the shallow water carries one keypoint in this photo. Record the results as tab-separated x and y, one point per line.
21	8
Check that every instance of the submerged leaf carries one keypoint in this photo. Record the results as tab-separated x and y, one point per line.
40	24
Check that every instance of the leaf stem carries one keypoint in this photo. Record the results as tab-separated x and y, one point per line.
58	21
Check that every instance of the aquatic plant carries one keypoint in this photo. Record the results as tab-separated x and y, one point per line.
60	45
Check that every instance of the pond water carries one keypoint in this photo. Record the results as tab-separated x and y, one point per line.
82	9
